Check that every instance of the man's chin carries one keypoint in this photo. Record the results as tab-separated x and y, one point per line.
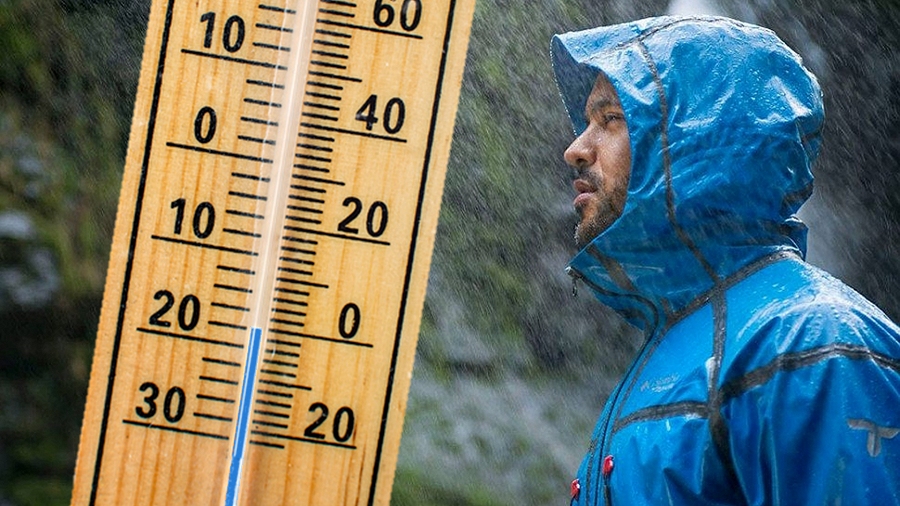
588	230
583	235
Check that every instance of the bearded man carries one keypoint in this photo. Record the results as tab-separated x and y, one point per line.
762	380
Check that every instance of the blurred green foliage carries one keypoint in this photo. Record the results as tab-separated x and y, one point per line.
64	72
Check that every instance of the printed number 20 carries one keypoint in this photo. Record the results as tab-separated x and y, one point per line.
342	425
188	310
376	217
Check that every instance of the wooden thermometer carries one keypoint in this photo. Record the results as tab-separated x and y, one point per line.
271	251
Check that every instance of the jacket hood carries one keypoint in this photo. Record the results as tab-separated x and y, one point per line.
724	123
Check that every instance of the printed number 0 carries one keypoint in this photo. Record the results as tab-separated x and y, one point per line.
348	323
202	135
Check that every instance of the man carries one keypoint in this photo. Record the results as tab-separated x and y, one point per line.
762	380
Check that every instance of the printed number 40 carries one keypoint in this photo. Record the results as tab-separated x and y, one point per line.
394	114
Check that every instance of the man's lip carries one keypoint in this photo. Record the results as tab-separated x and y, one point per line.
584	189
581	199
582	186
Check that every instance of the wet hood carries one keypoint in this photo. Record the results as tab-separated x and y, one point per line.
724	123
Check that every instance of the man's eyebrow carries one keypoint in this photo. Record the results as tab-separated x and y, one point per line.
598	104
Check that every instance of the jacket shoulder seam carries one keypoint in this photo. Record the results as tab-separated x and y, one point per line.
792	361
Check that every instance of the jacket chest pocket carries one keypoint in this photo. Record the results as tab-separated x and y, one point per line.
669	459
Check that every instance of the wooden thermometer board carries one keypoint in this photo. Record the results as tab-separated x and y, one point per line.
271	251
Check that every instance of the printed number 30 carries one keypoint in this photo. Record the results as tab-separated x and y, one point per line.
173	404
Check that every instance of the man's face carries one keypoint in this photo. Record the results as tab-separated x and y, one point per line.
601	157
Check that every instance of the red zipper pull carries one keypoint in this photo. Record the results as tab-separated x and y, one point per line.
608	465
575	488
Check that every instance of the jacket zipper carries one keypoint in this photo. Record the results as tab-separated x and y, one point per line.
606	476
607	489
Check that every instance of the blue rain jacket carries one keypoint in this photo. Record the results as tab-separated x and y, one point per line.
762	380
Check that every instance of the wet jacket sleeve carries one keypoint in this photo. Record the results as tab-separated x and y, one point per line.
818	422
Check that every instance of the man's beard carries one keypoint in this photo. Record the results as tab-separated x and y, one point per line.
588	228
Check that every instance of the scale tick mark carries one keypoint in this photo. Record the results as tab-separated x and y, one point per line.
287	311
264	83
212	379
329	54
333	33
279	9
273	404
244	214
270	413
273	351
287	322
321	106
311	168
236	269
214	417
226	325
292	292
213	398
271	46
337	13
252	177
247	196
269	142
331	44
274	28
303	220
262	102
339	2
229	306
328	65
305	210
221	362
259	121
275	394
232	288
241	232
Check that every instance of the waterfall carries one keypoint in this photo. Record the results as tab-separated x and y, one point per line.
694	8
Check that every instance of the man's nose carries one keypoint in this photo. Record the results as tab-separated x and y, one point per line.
579	153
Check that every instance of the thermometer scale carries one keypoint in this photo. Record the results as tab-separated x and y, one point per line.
271	251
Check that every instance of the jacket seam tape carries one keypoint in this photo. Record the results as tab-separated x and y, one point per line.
758	377
742	274
718	426
667	165
798	360
663	411
646	34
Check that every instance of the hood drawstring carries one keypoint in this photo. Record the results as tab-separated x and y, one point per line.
575	278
